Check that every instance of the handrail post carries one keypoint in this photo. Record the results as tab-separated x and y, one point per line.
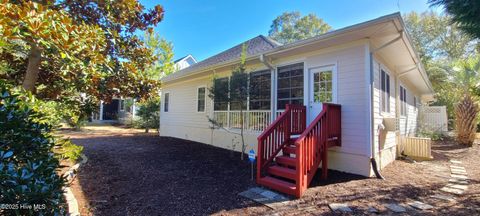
299	170
259	159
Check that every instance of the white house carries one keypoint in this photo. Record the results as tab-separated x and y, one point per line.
370	69
184	62
118	111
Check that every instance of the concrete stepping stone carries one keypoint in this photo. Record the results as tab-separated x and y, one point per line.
443	197
464	177
395	208
460	173
458	170
420	205
455	161
452	190
372	210
341	207
457	186
266	197
458	181
457	167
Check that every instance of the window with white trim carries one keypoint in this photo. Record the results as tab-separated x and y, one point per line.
385	91
259	90
403	101
201	93
289	85
166	101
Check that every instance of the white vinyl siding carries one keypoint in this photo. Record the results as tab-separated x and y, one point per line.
351	91
408	120
350	94
386	139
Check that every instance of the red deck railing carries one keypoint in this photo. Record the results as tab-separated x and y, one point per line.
311	146
277	135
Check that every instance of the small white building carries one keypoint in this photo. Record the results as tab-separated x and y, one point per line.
119	111
184	62
370	69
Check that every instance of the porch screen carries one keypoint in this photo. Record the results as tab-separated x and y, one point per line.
220	102
290	85
259	90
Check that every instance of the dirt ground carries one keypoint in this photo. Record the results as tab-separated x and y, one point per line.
133	173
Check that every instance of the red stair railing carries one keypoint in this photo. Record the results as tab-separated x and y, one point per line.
277	135
311	146
298	118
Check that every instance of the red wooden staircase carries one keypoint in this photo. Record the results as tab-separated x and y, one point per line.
289	154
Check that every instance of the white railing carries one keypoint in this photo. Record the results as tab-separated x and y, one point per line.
254	120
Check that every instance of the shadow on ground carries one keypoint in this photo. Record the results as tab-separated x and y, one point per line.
149	175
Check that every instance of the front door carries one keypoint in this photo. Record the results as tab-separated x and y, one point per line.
322	89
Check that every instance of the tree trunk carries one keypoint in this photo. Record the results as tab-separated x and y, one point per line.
34	60
241	133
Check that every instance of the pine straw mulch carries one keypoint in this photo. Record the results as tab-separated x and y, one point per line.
132	173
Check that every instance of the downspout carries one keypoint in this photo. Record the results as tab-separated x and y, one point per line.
272	84
265	62
373	161
372	89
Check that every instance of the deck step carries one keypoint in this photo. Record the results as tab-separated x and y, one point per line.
289	149
282	172
279	185
287	161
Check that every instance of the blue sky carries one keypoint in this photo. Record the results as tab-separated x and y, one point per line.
205	28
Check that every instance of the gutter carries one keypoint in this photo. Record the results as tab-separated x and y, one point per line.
287	47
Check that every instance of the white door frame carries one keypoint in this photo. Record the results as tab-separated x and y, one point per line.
309	101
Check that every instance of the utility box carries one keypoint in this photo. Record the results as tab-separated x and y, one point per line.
390	124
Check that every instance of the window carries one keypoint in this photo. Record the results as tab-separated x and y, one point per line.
385	94
201	99
403	101
415	103
220	102
259	90
122	104
166	101
322	86
290	85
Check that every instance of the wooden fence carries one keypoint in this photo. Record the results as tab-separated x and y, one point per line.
415	147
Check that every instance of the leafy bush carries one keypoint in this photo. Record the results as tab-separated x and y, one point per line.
28	166
69	150
433	135
149	114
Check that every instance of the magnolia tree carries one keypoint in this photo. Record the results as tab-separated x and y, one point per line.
234	93
60	49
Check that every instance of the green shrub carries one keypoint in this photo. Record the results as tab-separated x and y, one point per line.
68	150
433	135
28	168
148	114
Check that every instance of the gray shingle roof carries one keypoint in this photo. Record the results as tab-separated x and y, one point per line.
255	46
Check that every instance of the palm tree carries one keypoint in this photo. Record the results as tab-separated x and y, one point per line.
467	109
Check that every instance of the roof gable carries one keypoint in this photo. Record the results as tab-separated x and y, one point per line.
255	46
